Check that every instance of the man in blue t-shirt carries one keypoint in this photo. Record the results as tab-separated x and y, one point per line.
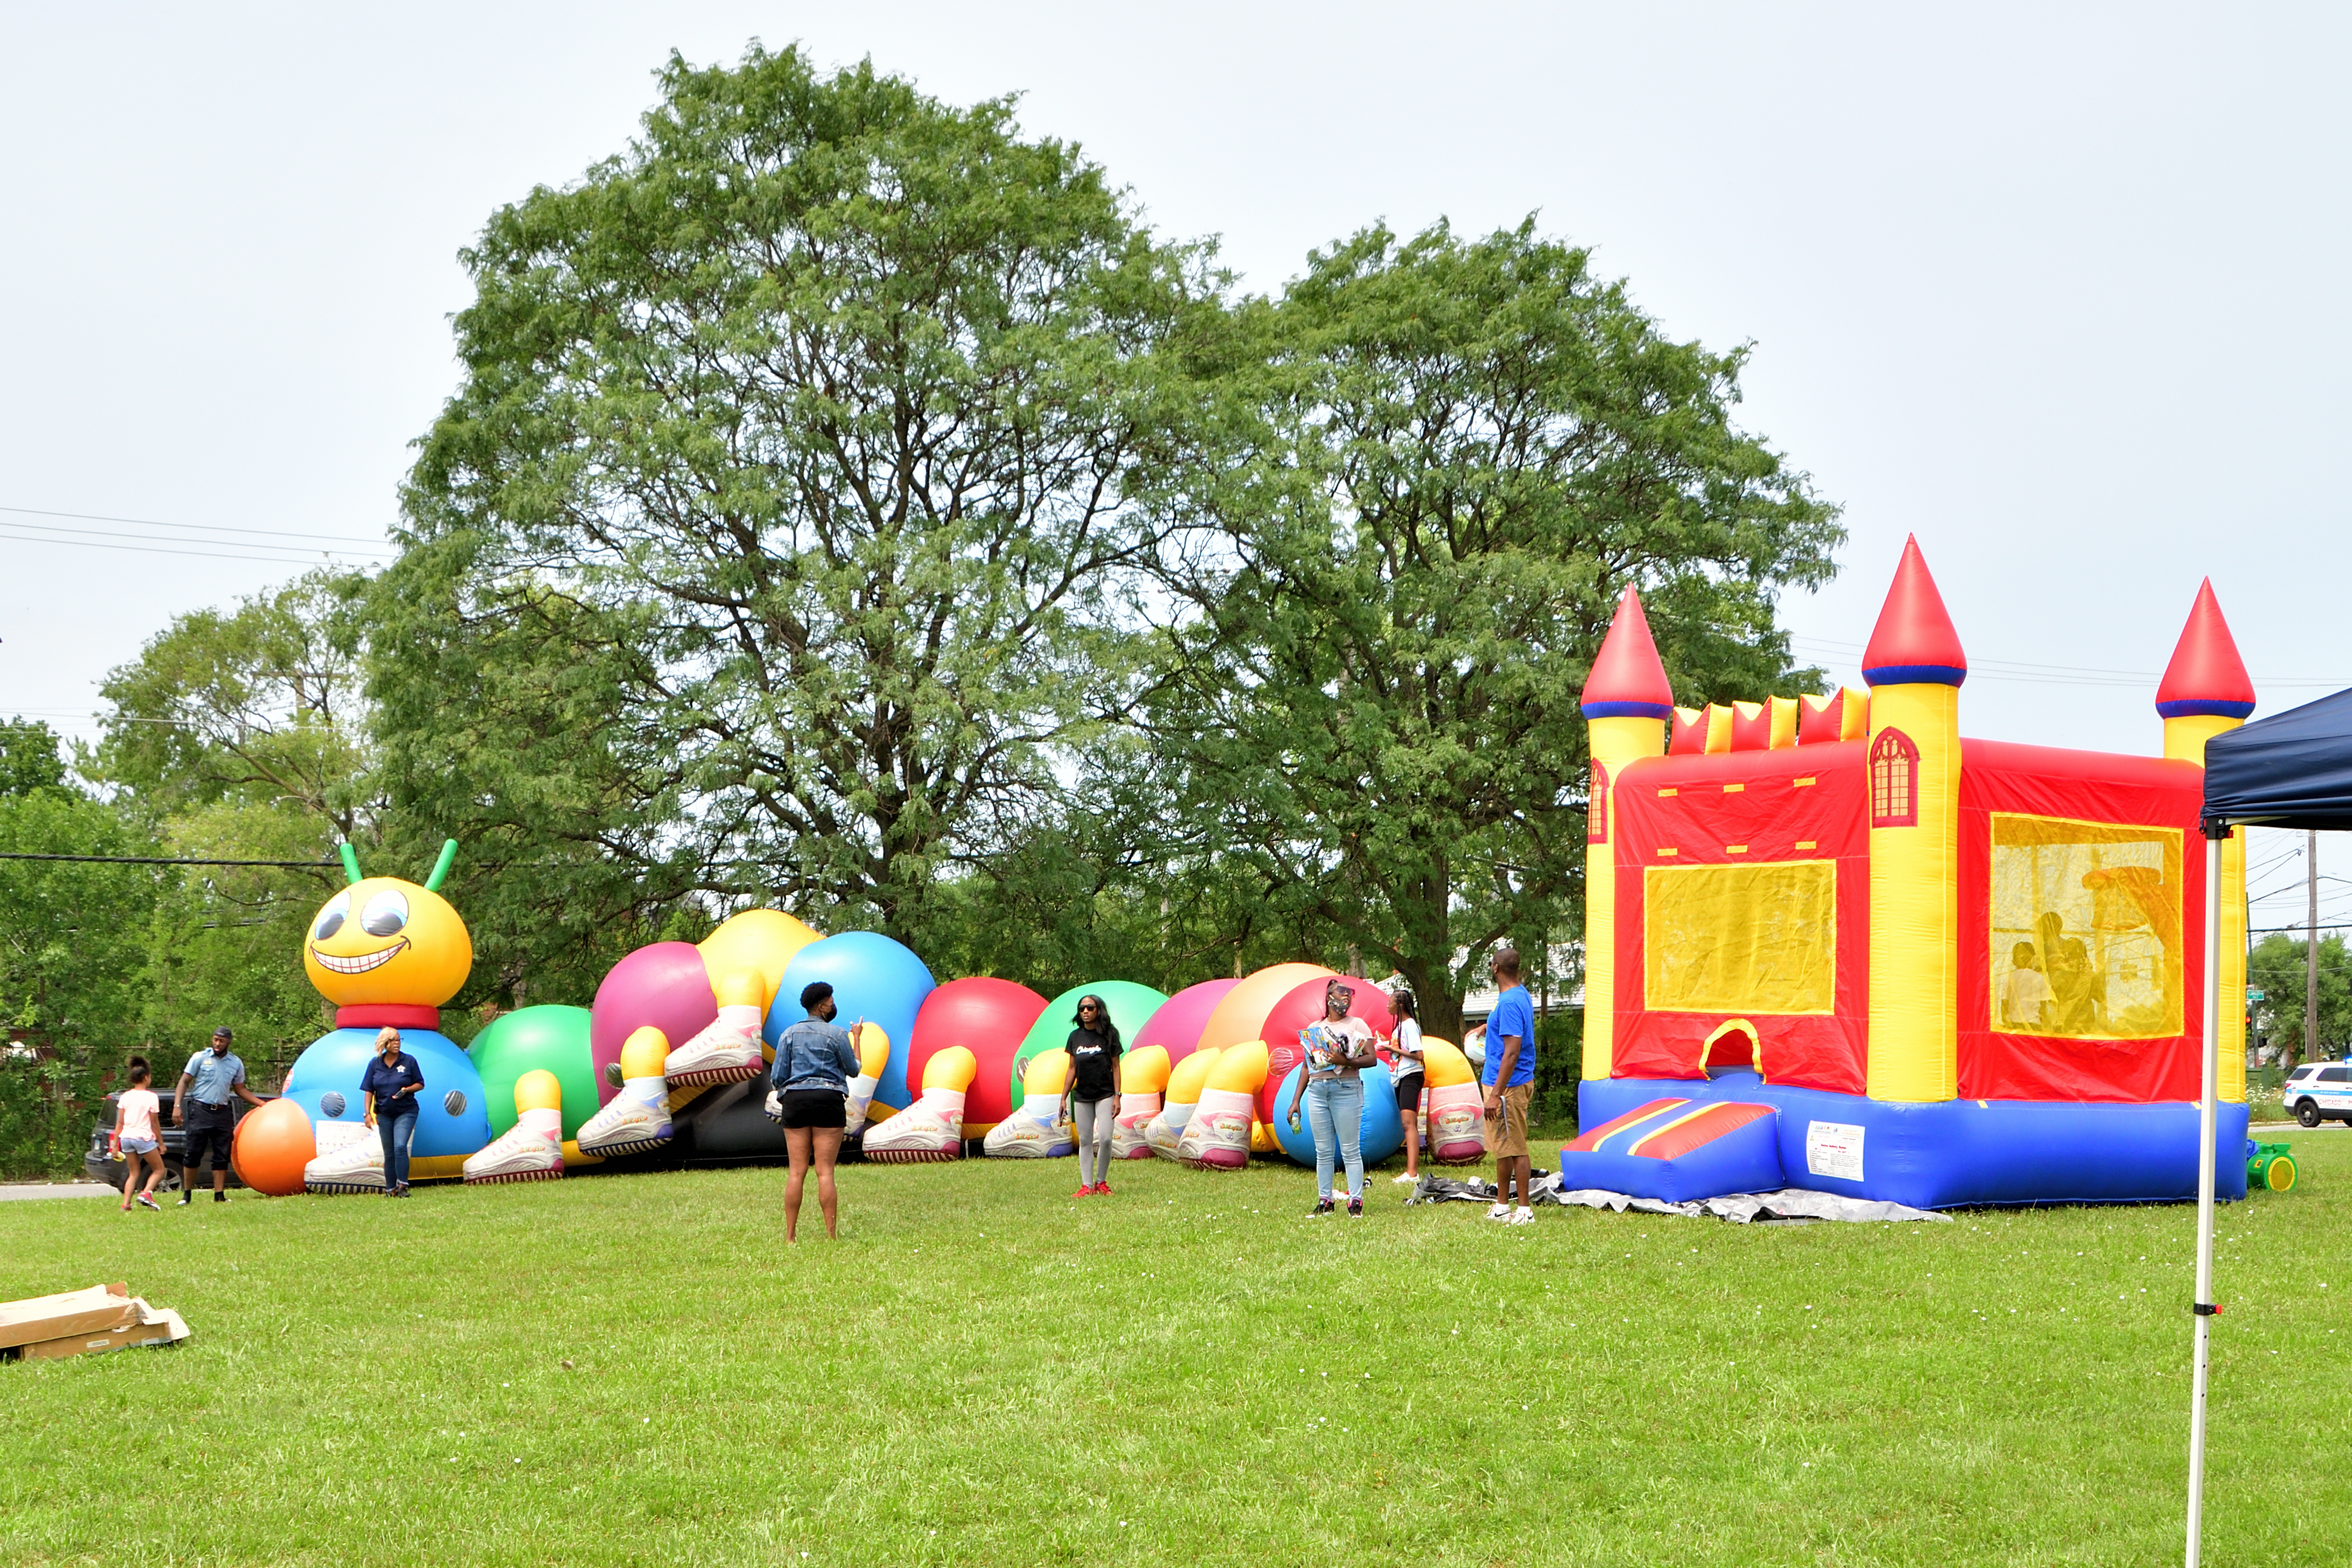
202	1104
1509	1077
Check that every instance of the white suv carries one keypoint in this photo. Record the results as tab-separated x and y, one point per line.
2320	1089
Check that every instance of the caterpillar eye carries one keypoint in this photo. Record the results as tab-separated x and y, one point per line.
385	913
332	918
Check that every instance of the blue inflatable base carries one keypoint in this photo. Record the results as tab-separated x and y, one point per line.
1959	1154
452	1115
1745	1160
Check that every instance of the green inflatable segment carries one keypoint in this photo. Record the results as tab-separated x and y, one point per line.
528	1038
1132	1006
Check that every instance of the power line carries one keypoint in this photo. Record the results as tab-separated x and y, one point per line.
193	527
78	535
165	860
167	550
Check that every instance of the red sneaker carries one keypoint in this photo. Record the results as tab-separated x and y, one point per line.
1084	1192
1102	1189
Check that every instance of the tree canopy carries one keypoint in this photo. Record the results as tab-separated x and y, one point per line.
834	415
1465	451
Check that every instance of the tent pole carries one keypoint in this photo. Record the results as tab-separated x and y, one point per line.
2209	1114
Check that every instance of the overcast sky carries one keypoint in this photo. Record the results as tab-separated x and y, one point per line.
2061	291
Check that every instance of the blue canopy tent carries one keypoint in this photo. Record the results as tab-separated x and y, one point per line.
2291	769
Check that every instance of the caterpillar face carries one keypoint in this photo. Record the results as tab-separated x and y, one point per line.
382	940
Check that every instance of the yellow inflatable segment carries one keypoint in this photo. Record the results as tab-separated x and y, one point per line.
1443	1064
951	1069
643	1052
1142	1071
1240	1067
873	1049
1048	1073
1191	1076
760	941
539	1089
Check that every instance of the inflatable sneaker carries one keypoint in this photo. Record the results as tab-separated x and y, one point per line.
1165	1132
533	1149
873	1056
349	1160
1455	1131
1218	1138
727	1050
1035	1130
1143	1076
931	1128
638	1117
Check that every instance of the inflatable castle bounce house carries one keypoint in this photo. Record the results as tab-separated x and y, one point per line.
1830	944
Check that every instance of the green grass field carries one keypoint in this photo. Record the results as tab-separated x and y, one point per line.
636	1371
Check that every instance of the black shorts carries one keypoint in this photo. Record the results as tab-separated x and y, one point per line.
208	1129
1408	1090
816	1107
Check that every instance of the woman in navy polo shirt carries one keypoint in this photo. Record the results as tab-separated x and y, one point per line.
389	1089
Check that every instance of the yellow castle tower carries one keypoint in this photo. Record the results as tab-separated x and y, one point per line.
2206	693
1627	700
1915	666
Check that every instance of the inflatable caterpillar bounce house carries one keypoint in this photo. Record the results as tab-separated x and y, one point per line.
670	1060
1832	944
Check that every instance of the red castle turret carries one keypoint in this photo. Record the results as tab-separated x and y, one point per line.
1913	642
2206	676
1628	679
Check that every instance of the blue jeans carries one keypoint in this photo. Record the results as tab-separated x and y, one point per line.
396	1126
1335	1114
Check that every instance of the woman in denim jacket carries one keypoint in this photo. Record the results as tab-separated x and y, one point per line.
814	1062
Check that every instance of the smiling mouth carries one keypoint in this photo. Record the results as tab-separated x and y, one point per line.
361	964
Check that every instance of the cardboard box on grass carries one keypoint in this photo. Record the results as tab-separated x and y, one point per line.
82	1322
155	1327
70	1313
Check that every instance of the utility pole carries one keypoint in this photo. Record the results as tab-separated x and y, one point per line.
2311	949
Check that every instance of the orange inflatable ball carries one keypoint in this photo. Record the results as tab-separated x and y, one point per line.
272	1144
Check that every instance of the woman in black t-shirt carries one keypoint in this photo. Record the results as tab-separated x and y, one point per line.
1090	1097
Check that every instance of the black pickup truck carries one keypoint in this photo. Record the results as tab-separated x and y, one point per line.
100	1166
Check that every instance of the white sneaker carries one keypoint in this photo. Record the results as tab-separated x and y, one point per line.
726	1051
1404	1181
1523	1217
638	1119
1500	1211
1025	1135
529	1151
349	1160
931	1129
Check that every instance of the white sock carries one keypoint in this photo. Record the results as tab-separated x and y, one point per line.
1525	1210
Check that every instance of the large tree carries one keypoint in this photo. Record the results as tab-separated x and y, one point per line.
835	417
1465	450
73	937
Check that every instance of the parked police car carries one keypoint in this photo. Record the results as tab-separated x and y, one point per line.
2320	1089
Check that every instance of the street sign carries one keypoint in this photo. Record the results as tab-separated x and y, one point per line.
2254	994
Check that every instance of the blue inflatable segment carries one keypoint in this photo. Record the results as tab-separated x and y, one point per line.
872	978
1955	1154
1743	1159
1382	1125
452	1114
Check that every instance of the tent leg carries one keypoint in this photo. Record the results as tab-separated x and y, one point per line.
2209	1114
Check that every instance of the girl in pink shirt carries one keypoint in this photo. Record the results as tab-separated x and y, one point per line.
139	1135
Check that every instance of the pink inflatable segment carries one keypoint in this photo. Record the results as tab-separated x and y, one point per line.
1176	1026
664	986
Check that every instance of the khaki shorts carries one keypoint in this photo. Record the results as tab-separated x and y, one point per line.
1510	1130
